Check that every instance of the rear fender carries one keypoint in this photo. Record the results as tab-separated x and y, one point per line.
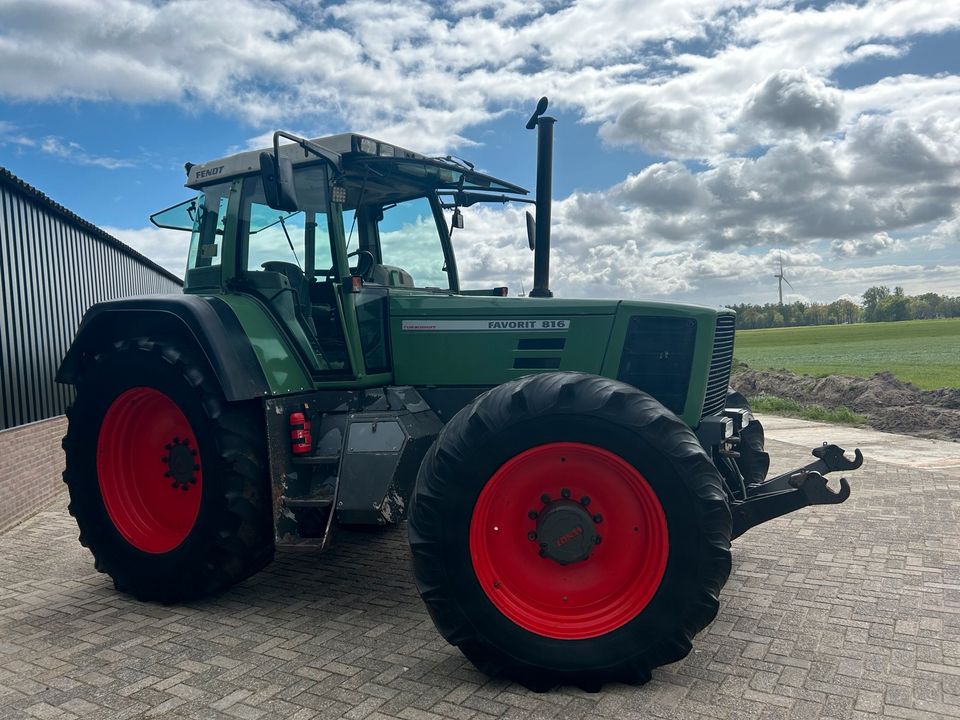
207	322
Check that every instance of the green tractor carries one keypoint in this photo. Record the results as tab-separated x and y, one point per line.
571	471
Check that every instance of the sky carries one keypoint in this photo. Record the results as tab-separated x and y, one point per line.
698	142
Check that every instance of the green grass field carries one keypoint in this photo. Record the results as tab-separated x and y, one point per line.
924	352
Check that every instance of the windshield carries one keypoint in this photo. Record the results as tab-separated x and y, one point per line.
410	242
492	247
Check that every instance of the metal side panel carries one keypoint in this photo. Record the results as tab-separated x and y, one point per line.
379	467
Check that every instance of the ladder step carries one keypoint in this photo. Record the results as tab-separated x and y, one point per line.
302	544
310	501
316	460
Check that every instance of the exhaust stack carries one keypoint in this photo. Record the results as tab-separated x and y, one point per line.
541	257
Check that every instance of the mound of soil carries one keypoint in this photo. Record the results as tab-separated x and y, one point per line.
887	403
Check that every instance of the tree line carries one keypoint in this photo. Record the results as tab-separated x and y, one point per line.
880	304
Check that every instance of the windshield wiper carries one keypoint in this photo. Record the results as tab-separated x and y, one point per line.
290	243
363	187
454	160
466	199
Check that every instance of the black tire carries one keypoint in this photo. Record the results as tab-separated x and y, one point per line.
754	462
613	416
736	399
232	534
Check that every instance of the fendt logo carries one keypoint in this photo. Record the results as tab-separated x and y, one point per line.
209	172
567	537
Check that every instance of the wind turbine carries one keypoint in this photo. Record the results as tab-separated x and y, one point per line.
781	279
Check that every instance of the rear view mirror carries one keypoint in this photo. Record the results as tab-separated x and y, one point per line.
457	221
277	176
531	231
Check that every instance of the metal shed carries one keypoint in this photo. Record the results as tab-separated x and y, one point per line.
53	266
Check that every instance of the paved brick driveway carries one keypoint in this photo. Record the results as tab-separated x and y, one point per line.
850	611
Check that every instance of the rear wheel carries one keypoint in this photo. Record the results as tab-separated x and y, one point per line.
167	481
567	528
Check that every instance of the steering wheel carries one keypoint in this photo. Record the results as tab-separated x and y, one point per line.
365	263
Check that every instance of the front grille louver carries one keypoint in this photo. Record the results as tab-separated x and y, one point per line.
657	357
721	362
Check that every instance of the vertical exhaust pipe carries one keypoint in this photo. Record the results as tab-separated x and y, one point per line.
541	257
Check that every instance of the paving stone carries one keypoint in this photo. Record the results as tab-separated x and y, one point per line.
849	611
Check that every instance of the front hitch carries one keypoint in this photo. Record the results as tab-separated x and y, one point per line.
794	490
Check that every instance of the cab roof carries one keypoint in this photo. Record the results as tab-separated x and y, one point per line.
356	153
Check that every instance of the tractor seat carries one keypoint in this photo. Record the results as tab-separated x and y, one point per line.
301	286
391	276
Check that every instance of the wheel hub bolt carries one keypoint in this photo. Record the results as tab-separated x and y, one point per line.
598	518
565	530
181	464
531	535
532	514
585	500
544	498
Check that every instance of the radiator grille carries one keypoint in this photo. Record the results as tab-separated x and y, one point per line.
657	355
720	363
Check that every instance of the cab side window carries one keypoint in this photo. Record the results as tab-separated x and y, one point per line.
208	212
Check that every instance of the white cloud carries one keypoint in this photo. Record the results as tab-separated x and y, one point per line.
74	152
664	128
863	247
945	234
167	248
10	134
664	187
430	73
794	100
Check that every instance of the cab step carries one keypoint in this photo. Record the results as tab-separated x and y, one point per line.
331	459
309	501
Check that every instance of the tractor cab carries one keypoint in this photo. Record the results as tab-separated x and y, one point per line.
355	219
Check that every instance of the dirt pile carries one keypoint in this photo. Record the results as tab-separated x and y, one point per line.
887	403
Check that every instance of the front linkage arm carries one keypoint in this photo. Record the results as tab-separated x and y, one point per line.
794	490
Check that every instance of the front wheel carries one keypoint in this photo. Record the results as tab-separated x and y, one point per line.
167	481
567	528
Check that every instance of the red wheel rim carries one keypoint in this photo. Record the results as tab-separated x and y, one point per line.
148	467
586	598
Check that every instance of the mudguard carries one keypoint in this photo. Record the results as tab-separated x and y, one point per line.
206	321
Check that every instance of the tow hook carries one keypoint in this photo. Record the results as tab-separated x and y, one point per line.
814	486
832	458
795	489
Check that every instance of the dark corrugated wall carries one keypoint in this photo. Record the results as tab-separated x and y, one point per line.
53	266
